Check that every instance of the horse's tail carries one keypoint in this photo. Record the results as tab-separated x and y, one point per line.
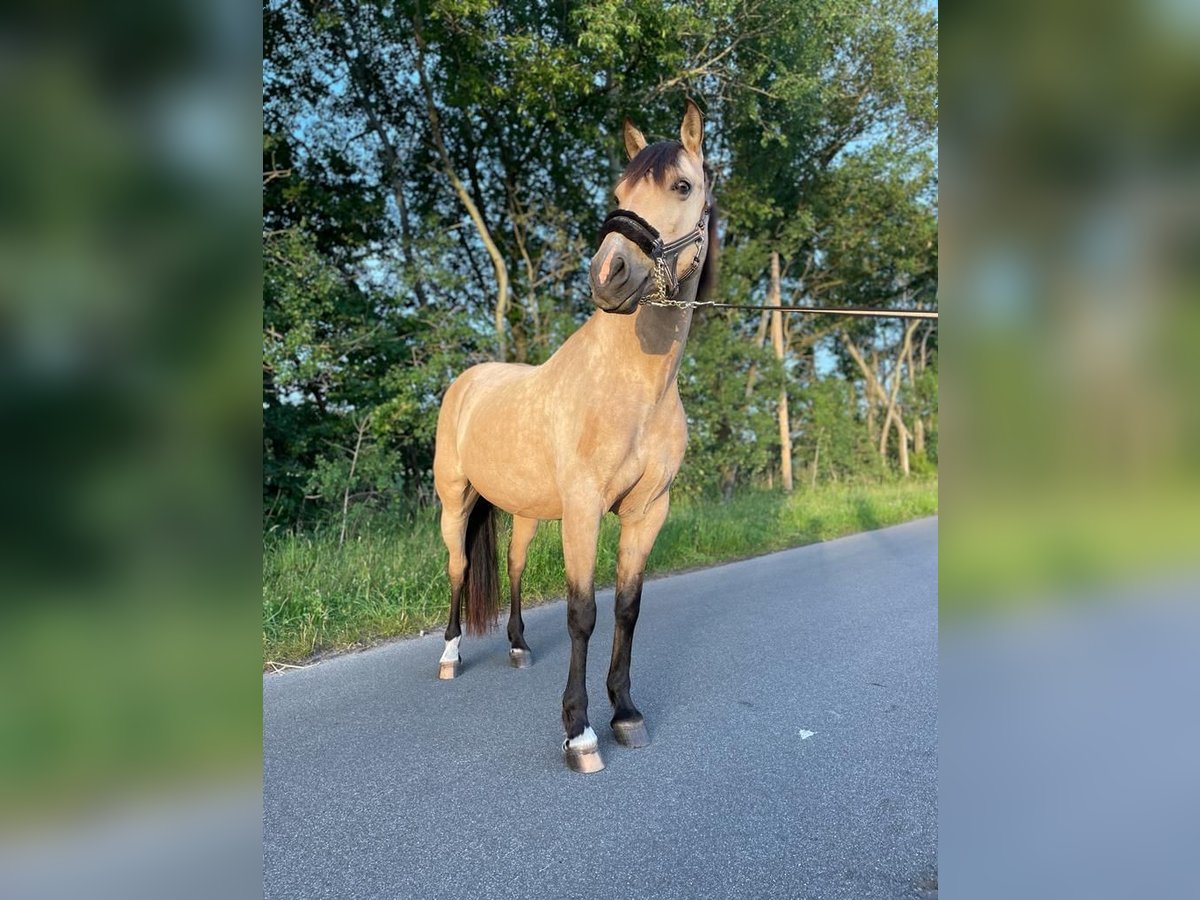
483	575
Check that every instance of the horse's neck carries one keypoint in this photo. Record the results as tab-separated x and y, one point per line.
645	347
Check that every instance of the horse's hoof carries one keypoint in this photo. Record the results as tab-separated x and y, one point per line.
583	753
631	733
520	659
448	669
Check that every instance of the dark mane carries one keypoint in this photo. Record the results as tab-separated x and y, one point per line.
657	160
708	272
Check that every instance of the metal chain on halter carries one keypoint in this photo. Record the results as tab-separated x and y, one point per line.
661	276
658	297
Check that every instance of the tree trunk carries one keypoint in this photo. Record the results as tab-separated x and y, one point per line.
893	413
887	398
785	428
520	342
531	305
362	429
464	196
759	338
872	390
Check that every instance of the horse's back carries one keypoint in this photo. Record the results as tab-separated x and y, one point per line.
482	385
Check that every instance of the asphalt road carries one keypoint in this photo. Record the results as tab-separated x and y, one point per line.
792	706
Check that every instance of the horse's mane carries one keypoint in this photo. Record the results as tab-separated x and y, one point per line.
708	272
658	161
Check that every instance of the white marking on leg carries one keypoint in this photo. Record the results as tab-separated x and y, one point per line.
585	741
805	735
450	654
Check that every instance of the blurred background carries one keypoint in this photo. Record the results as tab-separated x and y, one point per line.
129	436
1072	220
1070	546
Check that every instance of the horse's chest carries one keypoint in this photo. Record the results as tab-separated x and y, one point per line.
623	451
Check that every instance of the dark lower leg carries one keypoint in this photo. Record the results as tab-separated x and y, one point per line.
455	510
523	530
516	625
453	628
638	532
581	621
448	665
628	604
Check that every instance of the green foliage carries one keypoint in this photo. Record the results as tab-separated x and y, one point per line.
730	441
333	357
831	437
368	475
820	124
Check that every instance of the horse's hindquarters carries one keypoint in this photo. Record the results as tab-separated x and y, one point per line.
504	440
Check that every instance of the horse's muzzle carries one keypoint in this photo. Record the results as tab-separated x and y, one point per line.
617	286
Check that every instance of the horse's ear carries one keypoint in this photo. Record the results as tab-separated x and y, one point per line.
634	139
691	132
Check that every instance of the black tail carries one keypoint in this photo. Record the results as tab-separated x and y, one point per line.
483	574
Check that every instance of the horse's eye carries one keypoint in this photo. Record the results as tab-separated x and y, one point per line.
683	187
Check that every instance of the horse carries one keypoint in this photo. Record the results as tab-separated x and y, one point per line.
599	427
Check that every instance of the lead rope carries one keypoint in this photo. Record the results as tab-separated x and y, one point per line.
665	285
857	311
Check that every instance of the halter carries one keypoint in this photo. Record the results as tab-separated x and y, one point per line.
664	256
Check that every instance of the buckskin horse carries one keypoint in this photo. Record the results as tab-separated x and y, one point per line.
598	427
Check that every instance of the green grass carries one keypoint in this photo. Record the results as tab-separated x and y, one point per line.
391	580
1036	546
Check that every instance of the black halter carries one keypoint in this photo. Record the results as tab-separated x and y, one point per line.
664	256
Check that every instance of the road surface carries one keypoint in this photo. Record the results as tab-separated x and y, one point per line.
791	701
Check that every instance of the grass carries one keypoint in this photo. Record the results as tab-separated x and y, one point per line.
390	580
1028	547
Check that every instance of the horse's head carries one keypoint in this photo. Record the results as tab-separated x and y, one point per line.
660	240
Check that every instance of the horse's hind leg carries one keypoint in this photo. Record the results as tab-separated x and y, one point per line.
523	530
456	510
638	532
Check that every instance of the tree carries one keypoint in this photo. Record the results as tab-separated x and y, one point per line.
805	139
434	173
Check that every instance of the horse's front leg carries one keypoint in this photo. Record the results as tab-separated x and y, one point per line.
638	532
580	528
